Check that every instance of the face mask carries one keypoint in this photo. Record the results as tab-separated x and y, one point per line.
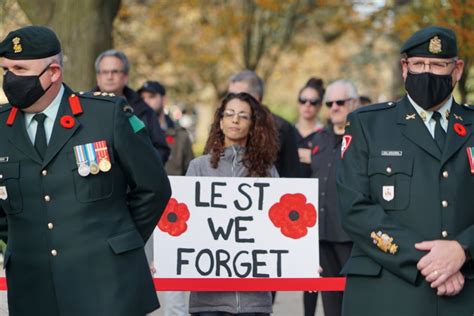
428	89
23	91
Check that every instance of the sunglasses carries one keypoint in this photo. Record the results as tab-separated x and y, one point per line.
313	102
338	102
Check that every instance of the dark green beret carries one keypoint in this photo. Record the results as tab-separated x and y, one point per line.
30	42
433	41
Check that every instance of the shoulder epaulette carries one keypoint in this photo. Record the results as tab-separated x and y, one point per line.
5	107
376	107
467	106
97	95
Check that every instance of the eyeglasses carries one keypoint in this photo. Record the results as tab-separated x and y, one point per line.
313	102
113	72
437	67
241	115
338	102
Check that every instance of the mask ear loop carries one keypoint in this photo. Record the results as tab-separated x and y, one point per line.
41	73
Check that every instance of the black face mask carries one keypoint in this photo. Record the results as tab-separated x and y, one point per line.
23	91
428	89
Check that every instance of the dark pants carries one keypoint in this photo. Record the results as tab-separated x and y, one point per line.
332	256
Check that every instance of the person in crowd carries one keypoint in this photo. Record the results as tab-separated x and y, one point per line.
310	99
341	98
287	162
154	94
81	190
405	184
234	149
112	68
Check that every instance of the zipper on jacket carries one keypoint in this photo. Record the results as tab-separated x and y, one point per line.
234	159
237	298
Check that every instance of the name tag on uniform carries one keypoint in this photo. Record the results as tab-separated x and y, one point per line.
388	192
3	192
392	153
4	159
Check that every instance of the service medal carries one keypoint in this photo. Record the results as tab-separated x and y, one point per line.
103	156
94	168
81	161
92	159
105	165
83	170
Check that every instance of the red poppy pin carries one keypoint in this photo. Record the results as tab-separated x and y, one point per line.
460	129
173	221
293	215
67	121
315	150
170	139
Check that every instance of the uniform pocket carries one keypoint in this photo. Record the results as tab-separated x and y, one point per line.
390	181
361	265
126	241
92	187
10	193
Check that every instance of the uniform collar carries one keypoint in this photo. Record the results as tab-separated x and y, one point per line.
444	110
51	110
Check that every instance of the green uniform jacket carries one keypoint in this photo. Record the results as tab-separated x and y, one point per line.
392	149
96	225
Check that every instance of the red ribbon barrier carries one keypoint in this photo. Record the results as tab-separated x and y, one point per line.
286	284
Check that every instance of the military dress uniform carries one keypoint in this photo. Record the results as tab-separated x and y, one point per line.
397	187
75	240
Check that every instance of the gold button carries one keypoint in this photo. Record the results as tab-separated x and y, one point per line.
47	198
44	172
444	234
389	170
445	174
50	226
444	203
54	252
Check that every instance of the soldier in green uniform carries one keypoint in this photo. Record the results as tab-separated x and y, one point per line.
405	184
81	190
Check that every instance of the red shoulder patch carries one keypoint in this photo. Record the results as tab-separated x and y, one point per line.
346	141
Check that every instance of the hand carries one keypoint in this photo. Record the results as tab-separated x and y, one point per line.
444	258
320	270
452	286
305	155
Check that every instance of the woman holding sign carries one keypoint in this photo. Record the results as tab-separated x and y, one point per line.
242	143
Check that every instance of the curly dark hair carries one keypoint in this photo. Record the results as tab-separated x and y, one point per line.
262	144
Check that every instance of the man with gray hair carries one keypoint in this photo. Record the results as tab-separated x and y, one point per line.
287	162
112	68
334	244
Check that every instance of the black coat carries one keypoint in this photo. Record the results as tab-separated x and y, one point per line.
288	163
394	179
75	244
326	152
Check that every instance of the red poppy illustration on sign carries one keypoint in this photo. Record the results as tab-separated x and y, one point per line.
293	215
173	221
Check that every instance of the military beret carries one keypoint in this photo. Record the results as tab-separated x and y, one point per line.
30	42
153	87
433	41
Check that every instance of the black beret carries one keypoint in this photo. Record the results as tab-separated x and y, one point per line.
30	42
153	87
433	41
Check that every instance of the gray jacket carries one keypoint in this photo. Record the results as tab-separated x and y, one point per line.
230	165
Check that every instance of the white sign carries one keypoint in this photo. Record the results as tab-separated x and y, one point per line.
238	228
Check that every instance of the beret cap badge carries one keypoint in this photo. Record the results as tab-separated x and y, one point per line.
435	45
16	45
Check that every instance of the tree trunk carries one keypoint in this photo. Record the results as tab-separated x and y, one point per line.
84	29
